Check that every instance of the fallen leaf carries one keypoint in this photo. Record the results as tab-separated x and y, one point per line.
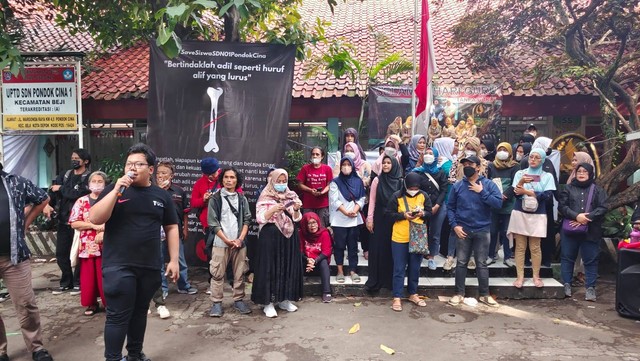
355	328
357	304
556	321
386	349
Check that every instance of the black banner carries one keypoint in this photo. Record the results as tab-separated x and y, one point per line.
387	103
230	101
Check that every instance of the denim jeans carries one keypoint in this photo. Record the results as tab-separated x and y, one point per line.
128	291
405	262
183	283
590	254
478	242
499	225
435	228
346	238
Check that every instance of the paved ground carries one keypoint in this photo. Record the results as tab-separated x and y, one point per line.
569	329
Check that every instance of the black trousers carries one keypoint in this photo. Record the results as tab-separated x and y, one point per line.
68	278
128	291
322	269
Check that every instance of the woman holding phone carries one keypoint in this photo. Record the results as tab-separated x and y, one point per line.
533	188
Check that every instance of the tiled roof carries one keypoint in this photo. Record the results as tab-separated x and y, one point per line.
353	21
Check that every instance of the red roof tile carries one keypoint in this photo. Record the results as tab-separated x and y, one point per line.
352	20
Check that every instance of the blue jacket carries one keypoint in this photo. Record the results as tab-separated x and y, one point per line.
472	210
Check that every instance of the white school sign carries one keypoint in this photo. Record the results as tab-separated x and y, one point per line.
43	98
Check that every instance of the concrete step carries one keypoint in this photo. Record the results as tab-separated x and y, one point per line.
432	287
497	269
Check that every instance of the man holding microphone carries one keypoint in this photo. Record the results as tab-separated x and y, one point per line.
133	210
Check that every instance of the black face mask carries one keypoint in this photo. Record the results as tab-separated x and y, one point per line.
469	171
75	164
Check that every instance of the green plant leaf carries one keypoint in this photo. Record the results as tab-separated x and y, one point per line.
225	8
176	11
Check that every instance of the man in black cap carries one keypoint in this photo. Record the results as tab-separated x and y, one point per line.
469	209
532	130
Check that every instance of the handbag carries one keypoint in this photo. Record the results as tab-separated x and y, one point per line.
418	237
529	204
581	229
75	248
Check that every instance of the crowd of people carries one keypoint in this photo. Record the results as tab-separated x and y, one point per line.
478	197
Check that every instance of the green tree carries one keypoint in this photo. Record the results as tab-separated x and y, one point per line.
595	43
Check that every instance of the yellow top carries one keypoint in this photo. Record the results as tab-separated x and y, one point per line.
401	228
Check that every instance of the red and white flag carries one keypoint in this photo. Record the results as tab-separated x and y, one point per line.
424	90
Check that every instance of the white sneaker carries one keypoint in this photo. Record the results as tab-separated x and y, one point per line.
208	292
270	311
448	264
163	312
471	264
287	306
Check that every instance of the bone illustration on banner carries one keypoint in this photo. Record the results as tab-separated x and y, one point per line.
214	94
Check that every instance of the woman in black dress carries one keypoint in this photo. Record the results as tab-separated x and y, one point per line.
382	188
279	266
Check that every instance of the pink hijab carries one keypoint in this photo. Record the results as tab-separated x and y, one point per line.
357	160
582	157
377	166
270	196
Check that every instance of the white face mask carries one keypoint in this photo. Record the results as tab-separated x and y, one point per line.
502	155
350	155
429	158
518	157
346	170
484	152
390	151
412	193
96	189
316	160
469	153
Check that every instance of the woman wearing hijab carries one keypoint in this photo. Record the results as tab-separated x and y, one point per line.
446	151
434	131
407	205
417	145
315	244
579	158
393	147
433	182
279	268
526	225
472	147
346	200
522	153
502	171
488	149
382	189
573	206
362	167
351	136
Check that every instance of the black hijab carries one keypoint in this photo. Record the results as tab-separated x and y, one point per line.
589	168
412	180
389	183
491	149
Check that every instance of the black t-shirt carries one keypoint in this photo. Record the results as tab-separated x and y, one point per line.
180	201
132	234
5	221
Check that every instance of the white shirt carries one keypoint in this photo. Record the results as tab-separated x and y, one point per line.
336	218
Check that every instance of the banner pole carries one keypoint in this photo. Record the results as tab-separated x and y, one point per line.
79	102
413	82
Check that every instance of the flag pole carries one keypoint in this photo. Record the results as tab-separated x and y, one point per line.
413	83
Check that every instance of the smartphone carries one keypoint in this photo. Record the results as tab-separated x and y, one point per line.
415	213
319	189
534	177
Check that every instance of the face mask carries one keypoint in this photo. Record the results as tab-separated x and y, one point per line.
502	155
390	151
96	189
280	187
469	171
518	157
164	183
75	164
469	153
484	152
429	158
350	155
346	170
412	193
316	161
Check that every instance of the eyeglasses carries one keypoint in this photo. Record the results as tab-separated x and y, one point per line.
535	157
137	165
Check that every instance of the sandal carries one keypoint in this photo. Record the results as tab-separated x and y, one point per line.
397	305
518	283
91	310
538	283
340	278
416	300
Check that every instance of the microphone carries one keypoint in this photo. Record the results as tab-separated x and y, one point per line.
130	174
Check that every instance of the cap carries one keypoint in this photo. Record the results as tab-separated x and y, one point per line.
532	127
209	165
472	159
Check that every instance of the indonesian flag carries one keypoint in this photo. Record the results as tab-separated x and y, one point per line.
424	90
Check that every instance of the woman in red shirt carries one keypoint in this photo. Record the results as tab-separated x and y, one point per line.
315	243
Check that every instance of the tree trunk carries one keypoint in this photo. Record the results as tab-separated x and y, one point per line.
612	180
231	28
